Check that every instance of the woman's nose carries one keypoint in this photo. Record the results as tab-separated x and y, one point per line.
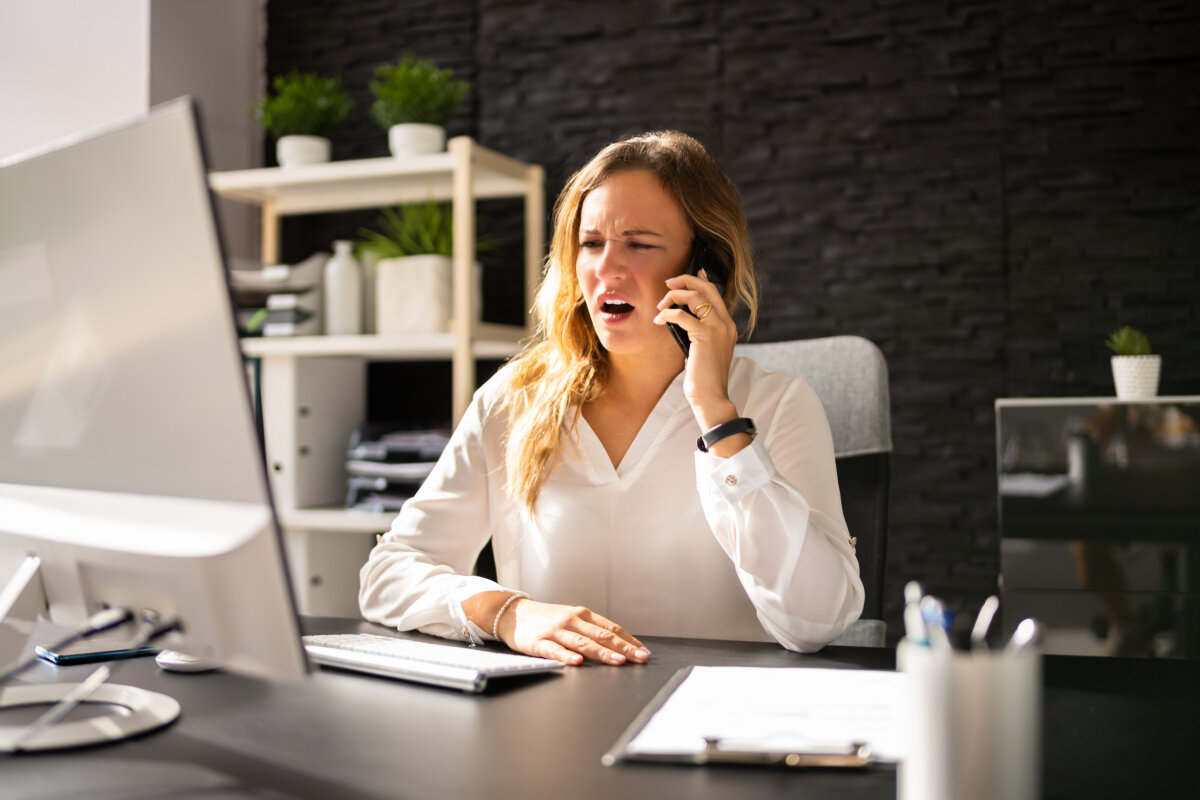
609	263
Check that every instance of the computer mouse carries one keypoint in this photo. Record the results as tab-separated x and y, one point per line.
175	661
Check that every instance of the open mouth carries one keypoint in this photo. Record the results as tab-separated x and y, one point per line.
615	308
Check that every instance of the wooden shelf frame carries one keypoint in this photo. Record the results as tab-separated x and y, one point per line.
465	173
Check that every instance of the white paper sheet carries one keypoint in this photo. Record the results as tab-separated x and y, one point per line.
765	709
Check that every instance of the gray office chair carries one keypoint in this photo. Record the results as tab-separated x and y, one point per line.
850	376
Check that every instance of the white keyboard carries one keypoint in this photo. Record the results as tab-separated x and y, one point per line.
450	665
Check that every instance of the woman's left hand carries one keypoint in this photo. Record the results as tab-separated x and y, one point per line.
712	333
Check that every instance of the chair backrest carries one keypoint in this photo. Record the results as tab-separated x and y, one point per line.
849	374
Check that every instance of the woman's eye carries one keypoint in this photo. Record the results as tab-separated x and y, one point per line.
589	244
641	246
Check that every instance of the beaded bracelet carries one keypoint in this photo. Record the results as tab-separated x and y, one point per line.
496	622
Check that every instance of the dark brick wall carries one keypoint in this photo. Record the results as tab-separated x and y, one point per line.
984	189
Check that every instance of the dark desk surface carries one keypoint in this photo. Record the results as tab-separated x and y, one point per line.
1114	728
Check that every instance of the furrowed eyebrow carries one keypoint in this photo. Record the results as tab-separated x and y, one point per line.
639	232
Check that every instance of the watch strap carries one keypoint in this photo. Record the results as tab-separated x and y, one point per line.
724	431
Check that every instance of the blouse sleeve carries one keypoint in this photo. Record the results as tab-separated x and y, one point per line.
418	574
776	511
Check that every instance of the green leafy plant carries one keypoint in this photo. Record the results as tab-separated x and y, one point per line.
417	229
1128	341
415	90
303	104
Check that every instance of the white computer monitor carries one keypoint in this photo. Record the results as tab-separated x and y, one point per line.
130	465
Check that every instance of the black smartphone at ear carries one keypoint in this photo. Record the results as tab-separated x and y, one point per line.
703	258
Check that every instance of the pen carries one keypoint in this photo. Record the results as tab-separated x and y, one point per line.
938	638
914	625
913	593
983	622
1025	634
937	622
935	614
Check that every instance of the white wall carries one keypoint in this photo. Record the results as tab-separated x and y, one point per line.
69	65
213	50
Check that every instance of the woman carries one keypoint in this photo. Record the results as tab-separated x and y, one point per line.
579	459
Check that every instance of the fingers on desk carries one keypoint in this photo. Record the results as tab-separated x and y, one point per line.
605	640
572	633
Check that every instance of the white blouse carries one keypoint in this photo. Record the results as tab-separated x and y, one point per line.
672	542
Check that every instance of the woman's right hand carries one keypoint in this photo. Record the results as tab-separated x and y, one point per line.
564	633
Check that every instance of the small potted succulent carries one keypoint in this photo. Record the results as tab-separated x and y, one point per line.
1135	369
409	257
414	100
304	110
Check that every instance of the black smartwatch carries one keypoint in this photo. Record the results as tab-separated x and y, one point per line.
724	431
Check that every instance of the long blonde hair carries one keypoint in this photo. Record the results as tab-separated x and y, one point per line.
566	366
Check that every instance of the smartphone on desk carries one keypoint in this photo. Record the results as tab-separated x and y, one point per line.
703	258
85	651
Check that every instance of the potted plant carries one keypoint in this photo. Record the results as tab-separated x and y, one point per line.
413	101
410	260
302	113
1135	368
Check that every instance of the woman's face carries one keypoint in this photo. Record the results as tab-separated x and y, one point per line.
632	237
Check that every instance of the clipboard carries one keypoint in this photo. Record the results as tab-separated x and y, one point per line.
767	716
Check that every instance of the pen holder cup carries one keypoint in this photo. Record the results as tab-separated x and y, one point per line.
973	722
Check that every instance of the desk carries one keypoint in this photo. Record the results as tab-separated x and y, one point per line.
1115	728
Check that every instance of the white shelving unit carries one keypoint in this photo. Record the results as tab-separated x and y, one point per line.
313	387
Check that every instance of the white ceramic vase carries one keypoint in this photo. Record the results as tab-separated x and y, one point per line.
343	291
369	269
293	151
414	294
1136	377
416	139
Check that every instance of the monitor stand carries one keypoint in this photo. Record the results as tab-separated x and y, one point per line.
131	711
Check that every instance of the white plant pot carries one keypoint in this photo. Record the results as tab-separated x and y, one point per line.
416	139
292	151
1136	377
414	294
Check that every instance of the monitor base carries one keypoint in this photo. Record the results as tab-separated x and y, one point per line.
135	711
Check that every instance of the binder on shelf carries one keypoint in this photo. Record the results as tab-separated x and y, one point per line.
275	278
308	300
279	300
386	466
383	442
375	494
291	322
408	471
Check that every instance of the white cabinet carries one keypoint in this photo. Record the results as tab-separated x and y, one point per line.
313	390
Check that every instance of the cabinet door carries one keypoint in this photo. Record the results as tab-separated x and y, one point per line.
310	408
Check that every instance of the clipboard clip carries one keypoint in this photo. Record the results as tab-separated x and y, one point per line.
856	754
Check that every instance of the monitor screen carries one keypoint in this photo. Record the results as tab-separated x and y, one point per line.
130	464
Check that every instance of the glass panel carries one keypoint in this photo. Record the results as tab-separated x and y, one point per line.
1099	508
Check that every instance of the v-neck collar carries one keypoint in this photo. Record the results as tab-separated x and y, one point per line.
667	407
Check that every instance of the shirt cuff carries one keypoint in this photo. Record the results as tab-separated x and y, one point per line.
744	472
464	629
